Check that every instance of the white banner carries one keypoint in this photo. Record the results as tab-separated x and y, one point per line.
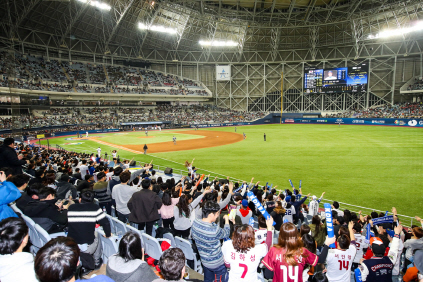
223	72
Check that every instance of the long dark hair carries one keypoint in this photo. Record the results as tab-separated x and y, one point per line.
183	205
167	199
130	247
309	243
316	221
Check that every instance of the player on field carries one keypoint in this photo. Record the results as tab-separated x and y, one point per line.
241	253
99	151
86	134
174	140
245	135
339	260
146	132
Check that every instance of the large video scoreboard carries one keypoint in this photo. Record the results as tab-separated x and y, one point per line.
336	80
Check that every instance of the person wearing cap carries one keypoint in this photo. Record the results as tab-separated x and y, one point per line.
379	268
244	212
415	273
9	158
313	208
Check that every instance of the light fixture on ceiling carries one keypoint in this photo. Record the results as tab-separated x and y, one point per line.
218	43
157	28
418	26
98	4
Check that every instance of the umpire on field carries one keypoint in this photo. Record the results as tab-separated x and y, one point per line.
145	149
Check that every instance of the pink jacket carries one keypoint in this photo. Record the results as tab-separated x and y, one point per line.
167	211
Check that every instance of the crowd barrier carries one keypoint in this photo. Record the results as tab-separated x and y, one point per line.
358	121
354	121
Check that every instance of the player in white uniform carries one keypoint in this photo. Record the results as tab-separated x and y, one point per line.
146	132
99	152
339	260
86	134
242	259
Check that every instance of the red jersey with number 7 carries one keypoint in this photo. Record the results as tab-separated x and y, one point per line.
275	261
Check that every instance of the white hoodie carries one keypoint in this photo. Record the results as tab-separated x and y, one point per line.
17	267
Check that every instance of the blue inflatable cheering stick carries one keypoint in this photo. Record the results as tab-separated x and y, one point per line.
329	222
258	205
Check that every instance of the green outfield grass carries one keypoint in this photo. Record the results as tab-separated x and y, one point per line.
369	166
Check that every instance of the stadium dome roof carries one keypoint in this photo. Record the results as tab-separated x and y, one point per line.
252	25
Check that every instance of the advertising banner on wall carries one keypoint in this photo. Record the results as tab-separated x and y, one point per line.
223	72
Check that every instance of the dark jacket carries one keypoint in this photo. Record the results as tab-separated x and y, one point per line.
9	158
144	206
23	201
82	185
46	214
77	176
64	189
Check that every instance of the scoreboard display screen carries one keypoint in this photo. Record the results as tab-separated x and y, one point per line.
336	80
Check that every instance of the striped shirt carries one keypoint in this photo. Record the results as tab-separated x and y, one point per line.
207	237
82	219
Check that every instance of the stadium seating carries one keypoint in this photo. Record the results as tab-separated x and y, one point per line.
36	73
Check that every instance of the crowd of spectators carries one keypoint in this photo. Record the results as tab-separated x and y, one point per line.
291	242
97	75
55	70
400	110
417	85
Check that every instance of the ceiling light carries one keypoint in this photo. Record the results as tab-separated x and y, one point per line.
218	43
158	28
98	4
397	32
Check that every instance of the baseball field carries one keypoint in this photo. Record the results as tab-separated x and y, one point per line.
372	166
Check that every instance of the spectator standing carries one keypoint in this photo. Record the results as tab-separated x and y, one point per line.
82	219
207	236
288	258
379	267
241	253
15	264
144	207
166	210
339	260
100	190
314	206
9	157
244	212
277	215
122	193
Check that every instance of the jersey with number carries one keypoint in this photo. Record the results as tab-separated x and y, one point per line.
261	235
360	244
339	264
282	271
243	265
289	214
